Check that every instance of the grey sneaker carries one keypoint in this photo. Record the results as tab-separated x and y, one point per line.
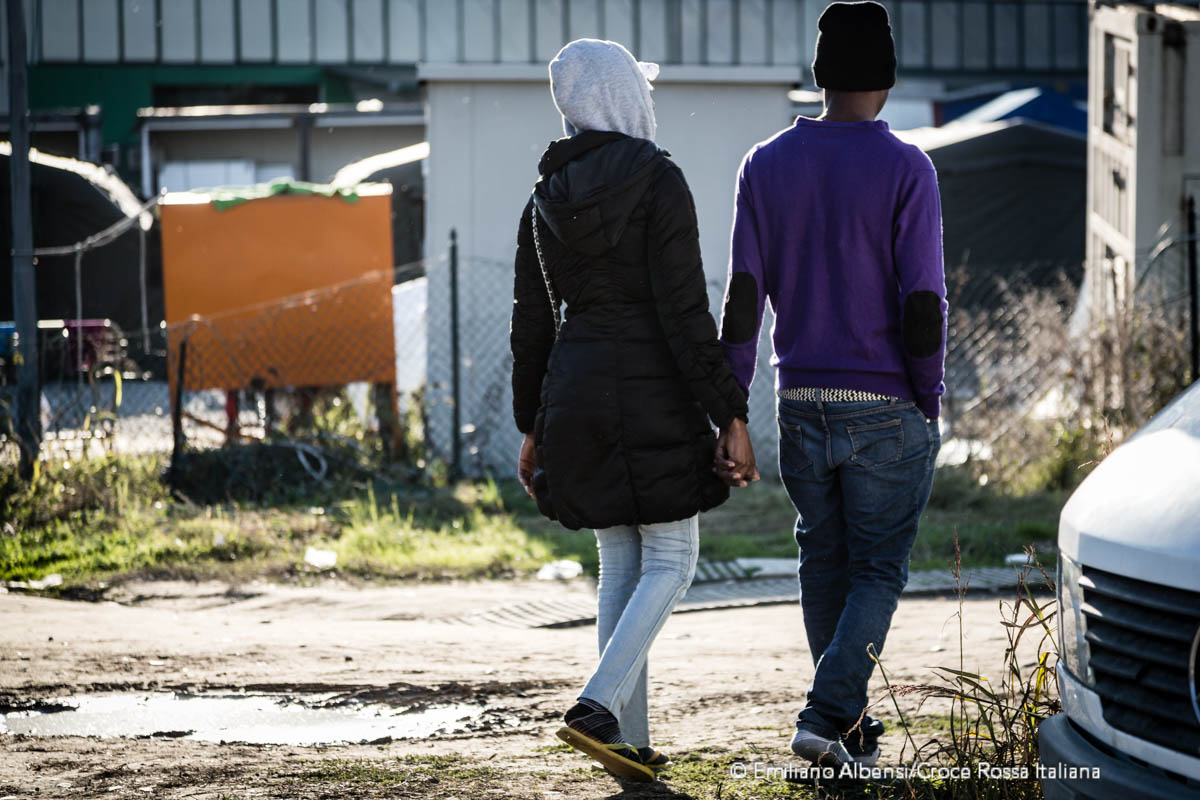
862	741
866	754
825	751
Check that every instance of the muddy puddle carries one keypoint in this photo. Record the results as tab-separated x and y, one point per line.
251	719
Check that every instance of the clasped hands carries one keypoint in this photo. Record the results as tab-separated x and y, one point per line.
734	459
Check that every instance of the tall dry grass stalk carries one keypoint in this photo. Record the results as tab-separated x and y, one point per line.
992	720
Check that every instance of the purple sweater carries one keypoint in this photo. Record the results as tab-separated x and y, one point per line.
839	225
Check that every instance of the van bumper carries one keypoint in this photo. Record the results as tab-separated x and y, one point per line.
1073	768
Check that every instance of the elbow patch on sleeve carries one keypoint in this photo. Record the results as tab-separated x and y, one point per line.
741	309
922	324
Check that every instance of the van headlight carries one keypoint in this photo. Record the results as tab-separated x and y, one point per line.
1074	652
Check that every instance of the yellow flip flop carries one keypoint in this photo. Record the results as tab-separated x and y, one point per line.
611	756
655	759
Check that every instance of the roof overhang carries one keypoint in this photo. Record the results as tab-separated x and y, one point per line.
365	113
671	73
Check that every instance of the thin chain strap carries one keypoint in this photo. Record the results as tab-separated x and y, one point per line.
537	244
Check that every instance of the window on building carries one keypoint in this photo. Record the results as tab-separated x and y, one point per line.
1119	85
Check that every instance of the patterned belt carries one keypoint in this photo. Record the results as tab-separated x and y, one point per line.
810	394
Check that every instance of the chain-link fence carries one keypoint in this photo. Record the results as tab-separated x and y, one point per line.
1049	365
1033	348
1025	345
250	374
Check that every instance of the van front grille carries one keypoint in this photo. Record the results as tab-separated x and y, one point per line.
1140	635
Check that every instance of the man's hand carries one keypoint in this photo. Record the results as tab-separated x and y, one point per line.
734	462
526	463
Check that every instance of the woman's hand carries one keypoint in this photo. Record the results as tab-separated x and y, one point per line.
527	463
734	462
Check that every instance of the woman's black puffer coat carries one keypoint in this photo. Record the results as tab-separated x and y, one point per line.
620	404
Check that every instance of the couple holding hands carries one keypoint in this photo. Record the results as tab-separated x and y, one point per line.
837	224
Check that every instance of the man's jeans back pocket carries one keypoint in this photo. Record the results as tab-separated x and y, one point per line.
877	444
792	458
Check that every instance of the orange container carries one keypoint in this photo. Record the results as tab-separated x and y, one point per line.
288	290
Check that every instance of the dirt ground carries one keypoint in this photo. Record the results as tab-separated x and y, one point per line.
722	682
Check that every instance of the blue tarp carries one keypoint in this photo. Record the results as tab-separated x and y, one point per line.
1063	106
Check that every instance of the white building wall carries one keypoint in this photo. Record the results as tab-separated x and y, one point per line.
1143	165
485	142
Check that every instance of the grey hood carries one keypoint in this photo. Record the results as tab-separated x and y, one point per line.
599	86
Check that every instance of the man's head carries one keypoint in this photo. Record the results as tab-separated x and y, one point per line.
855	51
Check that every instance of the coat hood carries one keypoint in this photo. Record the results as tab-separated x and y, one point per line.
590	185
599	86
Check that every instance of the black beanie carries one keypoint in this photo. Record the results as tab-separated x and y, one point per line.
855	50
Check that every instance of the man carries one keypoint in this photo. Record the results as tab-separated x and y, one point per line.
838	224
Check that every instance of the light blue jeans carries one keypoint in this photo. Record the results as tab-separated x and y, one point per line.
644	572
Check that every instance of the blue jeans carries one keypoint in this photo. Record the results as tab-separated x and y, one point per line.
644	572
859	475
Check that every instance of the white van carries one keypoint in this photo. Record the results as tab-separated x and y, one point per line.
1129	620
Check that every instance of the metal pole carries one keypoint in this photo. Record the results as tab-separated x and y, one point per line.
142	283
178	440
303	134
28	427
1193	292
455	360
77	333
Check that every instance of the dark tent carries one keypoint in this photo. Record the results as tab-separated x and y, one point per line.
1013	203
73	200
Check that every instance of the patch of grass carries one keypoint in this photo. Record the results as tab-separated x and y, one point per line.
759	520
96	519
394	536
110	518
415	776
106	519
699	777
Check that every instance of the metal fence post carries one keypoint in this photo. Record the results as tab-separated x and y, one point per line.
28	427
455	362
1193	292
178	440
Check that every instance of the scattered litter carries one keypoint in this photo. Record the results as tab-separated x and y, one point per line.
321	559
157	663
218	540
560	571
1017	559
44	583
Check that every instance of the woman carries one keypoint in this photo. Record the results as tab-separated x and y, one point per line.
615	404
